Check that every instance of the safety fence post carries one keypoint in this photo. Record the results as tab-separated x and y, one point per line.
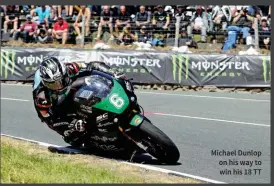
83	31
177	30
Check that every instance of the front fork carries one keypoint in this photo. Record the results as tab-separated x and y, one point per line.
136	120
140	145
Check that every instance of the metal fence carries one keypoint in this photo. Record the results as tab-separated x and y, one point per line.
173	34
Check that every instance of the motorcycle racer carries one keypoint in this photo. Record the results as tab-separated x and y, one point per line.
54	85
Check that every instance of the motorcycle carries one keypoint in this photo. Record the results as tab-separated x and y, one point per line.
117	120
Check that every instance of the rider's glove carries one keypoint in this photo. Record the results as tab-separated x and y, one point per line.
75	139
73	68
78	125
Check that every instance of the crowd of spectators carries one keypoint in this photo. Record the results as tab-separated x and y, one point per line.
128	24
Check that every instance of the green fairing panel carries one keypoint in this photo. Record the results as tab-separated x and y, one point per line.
116	102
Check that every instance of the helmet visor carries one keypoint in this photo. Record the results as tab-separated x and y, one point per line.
55	85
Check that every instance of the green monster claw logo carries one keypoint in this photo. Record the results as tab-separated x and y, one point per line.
7	63
177	60
266	68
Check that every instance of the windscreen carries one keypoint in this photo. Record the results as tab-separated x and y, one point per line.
97	86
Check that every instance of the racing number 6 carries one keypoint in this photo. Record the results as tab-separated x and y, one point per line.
117	101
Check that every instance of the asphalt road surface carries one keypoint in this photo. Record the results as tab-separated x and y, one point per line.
198	122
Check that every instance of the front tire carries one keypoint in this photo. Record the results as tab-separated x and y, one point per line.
158	143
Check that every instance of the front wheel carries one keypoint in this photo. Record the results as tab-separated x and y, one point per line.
158	144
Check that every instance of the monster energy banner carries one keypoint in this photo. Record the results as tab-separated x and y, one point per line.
142	67
17	64
219	70
150	67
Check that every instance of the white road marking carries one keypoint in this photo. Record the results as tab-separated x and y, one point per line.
171	94
212	119
174	172
13	99
133	164
6	84
210	97
181	116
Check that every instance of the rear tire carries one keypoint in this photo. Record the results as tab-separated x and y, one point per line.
159	144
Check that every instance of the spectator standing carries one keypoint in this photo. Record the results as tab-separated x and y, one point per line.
43	13
242	23
106	20
60	30
142	18
27	30
198	22
122	20
84	11
10	19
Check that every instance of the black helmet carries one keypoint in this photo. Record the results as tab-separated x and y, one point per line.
54	74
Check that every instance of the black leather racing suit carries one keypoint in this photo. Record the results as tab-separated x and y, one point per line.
57	111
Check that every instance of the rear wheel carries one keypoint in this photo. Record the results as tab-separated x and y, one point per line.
158	143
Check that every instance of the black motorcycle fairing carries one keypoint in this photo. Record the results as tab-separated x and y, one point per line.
91	92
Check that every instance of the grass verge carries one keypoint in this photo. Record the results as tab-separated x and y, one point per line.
23	162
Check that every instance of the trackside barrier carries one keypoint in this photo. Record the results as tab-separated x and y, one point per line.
220	70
